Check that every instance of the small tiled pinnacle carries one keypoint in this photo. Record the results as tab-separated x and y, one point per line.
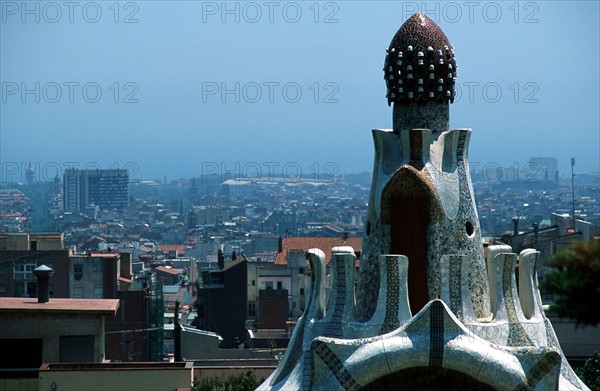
419	64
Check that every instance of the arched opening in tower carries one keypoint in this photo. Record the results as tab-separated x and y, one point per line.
409	237
427	378
408	202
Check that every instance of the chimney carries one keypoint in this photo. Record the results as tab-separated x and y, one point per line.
220	259
515	221
126	267
536	232
177	335
43	274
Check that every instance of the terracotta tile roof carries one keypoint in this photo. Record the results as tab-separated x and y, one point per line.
167	248
169	270
72	306
325	244
11	215
97	255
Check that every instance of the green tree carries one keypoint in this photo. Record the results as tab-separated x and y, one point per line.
241	382
575	282
590	373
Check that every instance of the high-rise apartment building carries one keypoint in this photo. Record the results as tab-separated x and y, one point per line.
543	169
106	188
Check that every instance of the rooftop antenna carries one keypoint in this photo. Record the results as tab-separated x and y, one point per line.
573	190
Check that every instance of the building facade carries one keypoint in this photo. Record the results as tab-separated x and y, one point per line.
106	188
222	301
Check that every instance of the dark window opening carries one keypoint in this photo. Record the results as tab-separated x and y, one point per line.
469	228
30	357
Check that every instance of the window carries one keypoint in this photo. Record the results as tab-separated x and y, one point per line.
2	290
24	270
78	272
301	291
253	283
279	285
300	270
25	289
251	308
268	284
34	245
33	358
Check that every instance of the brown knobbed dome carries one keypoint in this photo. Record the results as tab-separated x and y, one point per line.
419	64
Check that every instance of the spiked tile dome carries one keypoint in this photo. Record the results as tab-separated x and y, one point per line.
419	64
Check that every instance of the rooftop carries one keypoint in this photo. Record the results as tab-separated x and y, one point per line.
169	270
72	306
114	366
323	243
166	248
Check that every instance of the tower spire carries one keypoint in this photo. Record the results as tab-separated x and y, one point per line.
420	74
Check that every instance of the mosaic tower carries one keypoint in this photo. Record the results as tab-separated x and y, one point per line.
432	309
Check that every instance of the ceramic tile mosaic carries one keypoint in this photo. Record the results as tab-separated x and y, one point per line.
393	295
482	329
336	366
334	328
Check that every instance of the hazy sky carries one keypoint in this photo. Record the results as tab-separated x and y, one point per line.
181	88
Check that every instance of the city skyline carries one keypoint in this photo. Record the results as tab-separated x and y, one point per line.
533	171
177	90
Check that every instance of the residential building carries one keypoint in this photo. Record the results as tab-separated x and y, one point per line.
48	330
169	275
543	169
93	275
291	256
21	253
106	188
222	301
17	241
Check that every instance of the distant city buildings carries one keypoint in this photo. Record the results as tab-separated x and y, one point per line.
164	247
544	169
105	188
29	175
